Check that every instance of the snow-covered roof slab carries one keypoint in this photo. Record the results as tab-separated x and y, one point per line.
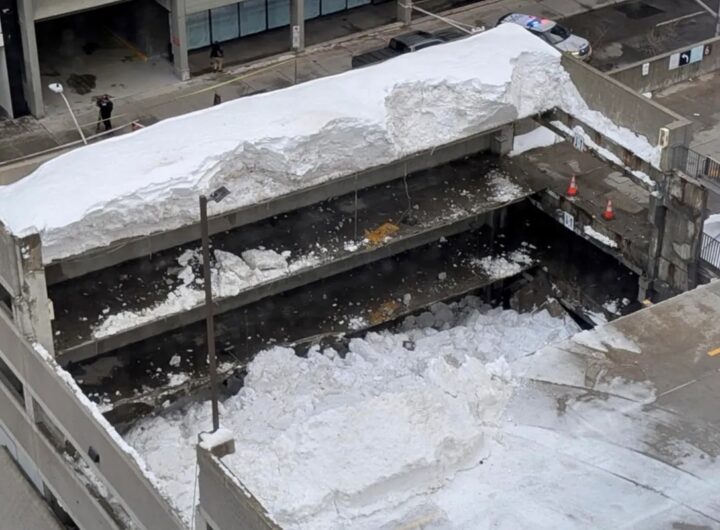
267	145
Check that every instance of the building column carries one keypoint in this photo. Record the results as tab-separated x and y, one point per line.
404	11
178	38
32	82
297	25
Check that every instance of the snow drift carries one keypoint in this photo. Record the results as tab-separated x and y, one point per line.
270	144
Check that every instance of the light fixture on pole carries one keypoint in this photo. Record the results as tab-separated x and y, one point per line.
57	88
216	196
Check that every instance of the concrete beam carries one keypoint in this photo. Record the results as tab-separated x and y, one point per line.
142	246
345	263
178	39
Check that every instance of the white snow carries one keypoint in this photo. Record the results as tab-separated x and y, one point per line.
275	143
503	189
711	226
326	442
538	137
504	266
602	238
211	440
230	275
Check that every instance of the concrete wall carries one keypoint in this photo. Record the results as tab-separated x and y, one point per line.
658	73
224	502
54	8
54	391
626	107
5	99
678	248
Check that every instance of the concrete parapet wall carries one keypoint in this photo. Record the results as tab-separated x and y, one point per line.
9	275
658	72
627	108
225	503
60	399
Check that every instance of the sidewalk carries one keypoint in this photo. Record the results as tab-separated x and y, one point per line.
28	136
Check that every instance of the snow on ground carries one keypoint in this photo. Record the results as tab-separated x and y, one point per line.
538	137
362	441
230	275
712	226
275	143
597	236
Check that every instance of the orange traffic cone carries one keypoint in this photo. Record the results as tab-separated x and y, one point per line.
572	188
609	213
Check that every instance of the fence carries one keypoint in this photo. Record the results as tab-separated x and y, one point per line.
710	251
696	165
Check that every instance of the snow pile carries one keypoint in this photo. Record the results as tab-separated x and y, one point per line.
538	137
230	274
498	267
276	143
503	189
364	441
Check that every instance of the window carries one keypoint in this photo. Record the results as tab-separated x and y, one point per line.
332	6
11	382
557	34
225	23
198	30
252	17
278	13
312	9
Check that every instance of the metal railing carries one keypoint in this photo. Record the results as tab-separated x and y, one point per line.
710	250
696	165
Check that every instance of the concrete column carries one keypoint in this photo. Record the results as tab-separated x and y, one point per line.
404	11
297	25
32	82
502	141
32	309
178	38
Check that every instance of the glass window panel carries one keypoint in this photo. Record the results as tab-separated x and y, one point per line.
357	3
252	17
278	13
312	9
225	23
332	6
198	30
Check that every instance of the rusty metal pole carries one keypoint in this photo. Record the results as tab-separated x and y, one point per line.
210	325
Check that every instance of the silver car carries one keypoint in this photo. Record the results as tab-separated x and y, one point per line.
552	33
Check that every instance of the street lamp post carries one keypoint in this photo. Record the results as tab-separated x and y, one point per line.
57	88
217	196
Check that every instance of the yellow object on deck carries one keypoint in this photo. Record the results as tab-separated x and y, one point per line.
714	352
385	312
383	231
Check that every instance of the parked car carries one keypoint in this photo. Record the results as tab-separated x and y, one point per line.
551	32
406	43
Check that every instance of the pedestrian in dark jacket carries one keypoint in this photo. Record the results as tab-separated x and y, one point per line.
106	108
216	57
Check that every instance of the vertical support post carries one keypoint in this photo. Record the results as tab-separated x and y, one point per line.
717	22
178	39
297	25
32	308
404	12
32	82
210	325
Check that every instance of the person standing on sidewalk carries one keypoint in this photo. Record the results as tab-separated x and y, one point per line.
216	57
106	108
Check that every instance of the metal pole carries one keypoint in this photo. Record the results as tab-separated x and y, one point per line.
72	114
209	312
717	22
